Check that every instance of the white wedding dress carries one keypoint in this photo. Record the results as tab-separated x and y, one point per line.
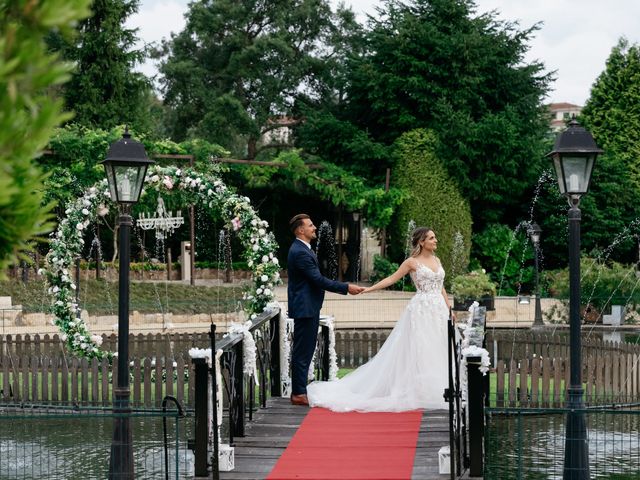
410	370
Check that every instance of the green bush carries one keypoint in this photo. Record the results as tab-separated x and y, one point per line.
475	284
382	268
508	257
434	201
602	285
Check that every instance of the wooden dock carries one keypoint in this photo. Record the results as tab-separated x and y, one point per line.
272	428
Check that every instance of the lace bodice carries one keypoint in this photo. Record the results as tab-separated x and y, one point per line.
426	280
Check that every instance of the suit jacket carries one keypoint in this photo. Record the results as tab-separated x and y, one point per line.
305	290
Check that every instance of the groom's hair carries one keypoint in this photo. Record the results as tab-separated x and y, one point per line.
296	221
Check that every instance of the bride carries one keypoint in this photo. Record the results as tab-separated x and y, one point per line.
410	371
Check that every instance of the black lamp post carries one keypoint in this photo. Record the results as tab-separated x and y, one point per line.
573	155
534	234
126	166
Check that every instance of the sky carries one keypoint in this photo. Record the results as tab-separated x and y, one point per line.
574	40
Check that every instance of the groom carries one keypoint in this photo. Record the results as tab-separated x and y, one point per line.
305	294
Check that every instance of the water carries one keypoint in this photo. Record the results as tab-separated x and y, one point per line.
532	446
78	446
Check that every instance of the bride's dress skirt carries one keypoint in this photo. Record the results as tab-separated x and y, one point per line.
409	372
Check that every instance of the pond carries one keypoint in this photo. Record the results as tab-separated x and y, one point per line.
531	446
77	446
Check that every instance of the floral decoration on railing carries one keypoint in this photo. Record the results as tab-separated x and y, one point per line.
191	187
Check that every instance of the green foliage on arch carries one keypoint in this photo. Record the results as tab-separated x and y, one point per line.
191	186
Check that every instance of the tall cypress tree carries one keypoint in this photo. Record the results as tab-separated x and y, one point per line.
104	90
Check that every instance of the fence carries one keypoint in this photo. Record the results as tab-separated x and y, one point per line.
521	344
44	442
530	443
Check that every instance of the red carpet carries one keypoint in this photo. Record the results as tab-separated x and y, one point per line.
350	446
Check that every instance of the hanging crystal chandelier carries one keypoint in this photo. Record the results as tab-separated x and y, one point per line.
161	221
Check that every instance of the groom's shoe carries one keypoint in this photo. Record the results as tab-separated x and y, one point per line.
299	399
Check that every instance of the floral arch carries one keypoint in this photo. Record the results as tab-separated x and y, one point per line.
193	187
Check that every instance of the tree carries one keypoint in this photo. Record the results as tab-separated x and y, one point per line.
104	91
27	114
236	65
435	200
611	113
434	64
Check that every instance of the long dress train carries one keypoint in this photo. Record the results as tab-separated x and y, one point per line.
410	370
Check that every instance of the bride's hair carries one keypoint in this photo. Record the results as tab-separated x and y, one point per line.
417	236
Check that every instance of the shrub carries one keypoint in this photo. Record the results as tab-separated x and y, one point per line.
382	268
475	284
434	201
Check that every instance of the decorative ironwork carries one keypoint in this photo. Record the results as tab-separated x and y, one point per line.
161	221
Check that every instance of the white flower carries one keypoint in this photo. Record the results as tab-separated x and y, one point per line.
275	261
85	211
264	278
267	292
79	226
209	192
253	316
86	202
255	248
41	271
259	291
261	231
254	222
92	190
155	178
97	339
250	263
64	337
178	172
102	210
56	289
265	259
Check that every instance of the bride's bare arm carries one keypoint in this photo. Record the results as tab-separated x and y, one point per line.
405	268
446	300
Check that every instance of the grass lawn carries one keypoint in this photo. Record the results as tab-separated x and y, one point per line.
101	297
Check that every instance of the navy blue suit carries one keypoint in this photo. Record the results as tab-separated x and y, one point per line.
305	294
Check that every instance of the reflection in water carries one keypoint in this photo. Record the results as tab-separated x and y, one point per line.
531	446
78	447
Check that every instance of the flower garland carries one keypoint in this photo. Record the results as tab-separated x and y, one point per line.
472	341
249	348
192	187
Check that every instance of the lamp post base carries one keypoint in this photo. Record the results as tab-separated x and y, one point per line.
121	461
576	449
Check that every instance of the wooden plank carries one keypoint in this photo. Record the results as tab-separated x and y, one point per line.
6	389
608	381
180	375
84	367
546	382
74	380
512	382
104	376
158	381
137	380
535	380
54	379
147	382
44	388
169	376
500	384
557	378
34	367
24	363
95	375
524	378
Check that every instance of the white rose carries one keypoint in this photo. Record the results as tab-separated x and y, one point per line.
262	231
250	263
178	172
209	192
265	259
267	292
264	278
79	226
85	211
40	271
155	178
253	316
86	202
275	261
56	289
64	337
254	222
256	248
259	291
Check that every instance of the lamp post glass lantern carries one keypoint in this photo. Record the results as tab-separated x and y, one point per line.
574	155
534	234
126	166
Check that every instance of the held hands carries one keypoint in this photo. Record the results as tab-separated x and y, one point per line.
355	289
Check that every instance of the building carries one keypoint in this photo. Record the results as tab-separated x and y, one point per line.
561	113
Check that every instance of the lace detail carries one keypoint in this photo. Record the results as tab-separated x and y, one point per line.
426	280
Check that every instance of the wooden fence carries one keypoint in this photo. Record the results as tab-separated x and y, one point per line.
82	382
532	369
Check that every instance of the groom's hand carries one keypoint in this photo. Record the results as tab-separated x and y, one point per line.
355	289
